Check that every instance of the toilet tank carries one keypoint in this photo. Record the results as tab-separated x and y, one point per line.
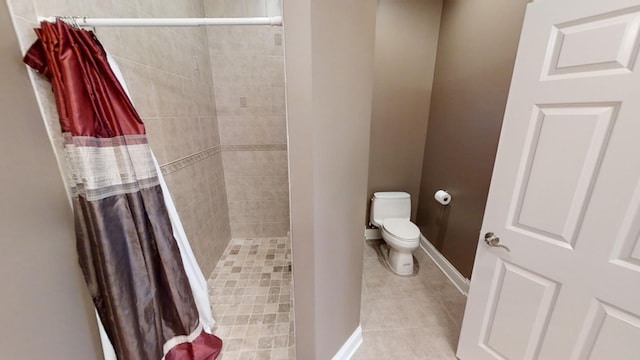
386	205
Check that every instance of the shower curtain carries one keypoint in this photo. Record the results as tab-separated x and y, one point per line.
129	256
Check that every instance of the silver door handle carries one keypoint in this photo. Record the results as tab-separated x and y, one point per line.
492	240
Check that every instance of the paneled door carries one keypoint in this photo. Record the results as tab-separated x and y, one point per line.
558	275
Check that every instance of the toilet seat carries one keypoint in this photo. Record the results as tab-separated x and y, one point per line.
401	229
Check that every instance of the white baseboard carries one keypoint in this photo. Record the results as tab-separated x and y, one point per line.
350	346
371	234
449	270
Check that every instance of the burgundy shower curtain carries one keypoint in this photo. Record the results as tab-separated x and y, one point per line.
126	248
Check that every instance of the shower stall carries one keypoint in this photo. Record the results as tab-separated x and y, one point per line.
213	103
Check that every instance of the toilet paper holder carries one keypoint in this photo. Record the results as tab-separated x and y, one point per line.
443	197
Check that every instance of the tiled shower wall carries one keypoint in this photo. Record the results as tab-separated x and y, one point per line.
248	73
168	73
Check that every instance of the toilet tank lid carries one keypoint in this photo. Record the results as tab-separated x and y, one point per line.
391	195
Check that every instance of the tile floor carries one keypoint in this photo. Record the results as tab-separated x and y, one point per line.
250	292
413	317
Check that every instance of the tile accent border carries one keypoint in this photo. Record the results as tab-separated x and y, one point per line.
266	147
179	164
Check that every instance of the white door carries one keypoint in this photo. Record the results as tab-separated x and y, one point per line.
565	194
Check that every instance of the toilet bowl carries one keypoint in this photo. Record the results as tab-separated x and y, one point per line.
403	237
390	212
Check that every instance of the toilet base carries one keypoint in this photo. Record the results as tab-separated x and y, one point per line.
401	262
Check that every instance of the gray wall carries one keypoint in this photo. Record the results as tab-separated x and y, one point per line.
405	55
46	312
329	112
476	53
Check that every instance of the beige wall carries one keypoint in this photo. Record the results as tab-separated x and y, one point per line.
46	312
405	54
168	72
248	73
476	53
329	67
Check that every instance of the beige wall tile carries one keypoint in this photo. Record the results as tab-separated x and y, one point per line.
254	176
141	85
275	229
153	127
135	44
276	210
201	251
278	100
235	189
236	211
274	7
183	183
275	131
203	211
189	221
244	211
110	40
94	8
58	7
209	129
255	8
246	63
179	136
188	103
124	9
259	100
215	172
232	8
168	92
195	136
245	230
214	34
273	46
230	163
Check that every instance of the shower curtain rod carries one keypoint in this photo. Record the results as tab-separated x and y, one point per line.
137	22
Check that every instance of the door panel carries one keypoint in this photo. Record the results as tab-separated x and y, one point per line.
571	169
565	194
571	47
627	248
512	288
608	330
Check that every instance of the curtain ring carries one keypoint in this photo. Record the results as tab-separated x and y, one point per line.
71	20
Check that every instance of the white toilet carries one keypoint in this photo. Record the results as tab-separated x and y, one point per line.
390	211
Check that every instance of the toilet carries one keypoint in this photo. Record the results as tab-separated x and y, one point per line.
390	211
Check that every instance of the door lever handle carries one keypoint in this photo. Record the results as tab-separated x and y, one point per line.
494	241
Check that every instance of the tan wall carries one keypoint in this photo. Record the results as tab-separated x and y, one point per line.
329	67
405	54
174	99
476	53
46	312
248	65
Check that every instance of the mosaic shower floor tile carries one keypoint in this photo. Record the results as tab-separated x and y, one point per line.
250	291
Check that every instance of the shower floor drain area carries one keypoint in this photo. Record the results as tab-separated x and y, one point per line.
251	297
